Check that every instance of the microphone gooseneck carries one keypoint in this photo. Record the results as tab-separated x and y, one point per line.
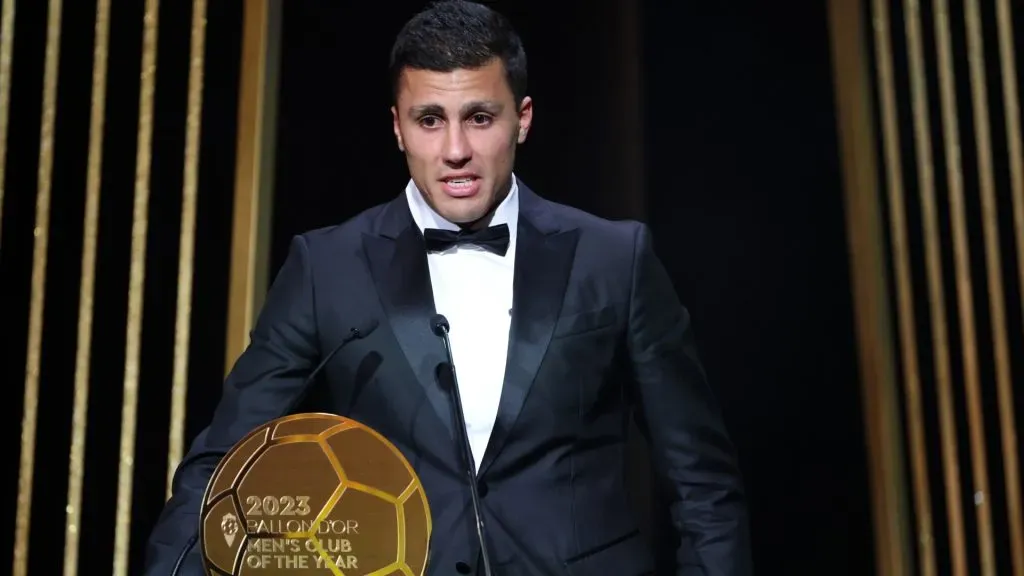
361	331
357	332
184	552
439	325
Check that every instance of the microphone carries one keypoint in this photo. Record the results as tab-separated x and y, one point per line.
357	332
439	324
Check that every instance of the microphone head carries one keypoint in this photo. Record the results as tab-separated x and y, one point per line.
364	328
439	324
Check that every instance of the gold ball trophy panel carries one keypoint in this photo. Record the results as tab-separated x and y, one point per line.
314	494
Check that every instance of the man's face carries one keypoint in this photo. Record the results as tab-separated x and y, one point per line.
459	132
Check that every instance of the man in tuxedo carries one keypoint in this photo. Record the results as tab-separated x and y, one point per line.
563	326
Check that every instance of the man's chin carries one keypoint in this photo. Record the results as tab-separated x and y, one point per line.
466	217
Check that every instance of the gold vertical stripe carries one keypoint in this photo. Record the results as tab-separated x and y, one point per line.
253	171
35	326
1013	136
6	53
904	289
936	293
242	289
187	241
76	467
997	304
963	277
869	280
136	286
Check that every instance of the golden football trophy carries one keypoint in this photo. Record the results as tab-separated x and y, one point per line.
314	494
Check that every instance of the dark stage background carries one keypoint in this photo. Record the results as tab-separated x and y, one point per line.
712	121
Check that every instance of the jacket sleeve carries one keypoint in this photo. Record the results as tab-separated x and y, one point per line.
266	382
677	412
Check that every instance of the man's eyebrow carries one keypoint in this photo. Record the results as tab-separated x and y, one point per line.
426	110
488	106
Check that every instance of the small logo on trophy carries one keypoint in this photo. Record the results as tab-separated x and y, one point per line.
229	525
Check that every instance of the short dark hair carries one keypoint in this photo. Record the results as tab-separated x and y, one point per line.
454	34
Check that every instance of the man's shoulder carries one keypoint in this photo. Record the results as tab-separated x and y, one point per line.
623	231
590	222
608	244
346	232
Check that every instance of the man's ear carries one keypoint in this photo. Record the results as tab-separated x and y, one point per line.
525	119
397	129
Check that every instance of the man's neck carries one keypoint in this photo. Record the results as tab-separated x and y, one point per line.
485	220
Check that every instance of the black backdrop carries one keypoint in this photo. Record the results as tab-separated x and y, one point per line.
113	256
739	178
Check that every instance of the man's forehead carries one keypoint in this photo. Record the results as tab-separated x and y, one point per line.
493	68
487	82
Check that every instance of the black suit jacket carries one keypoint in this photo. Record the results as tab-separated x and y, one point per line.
597	335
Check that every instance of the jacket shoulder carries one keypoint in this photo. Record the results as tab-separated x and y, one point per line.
335	237
621	231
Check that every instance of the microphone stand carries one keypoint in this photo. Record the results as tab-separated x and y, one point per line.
440	327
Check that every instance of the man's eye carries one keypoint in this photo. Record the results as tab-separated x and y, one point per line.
480	119
430	121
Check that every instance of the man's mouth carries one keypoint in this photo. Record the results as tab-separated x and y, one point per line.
460	182
461	186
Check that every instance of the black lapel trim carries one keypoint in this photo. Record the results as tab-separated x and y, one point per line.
398	261
544	257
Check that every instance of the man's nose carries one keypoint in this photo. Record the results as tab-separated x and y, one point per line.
456	146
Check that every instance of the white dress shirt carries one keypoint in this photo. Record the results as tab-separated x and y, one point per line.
473	289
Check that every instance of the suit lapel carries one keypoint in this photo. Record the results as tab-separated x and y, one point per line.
398	261
544	256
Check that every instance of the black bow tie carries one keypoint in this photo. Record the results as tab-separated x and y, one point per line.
493	239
